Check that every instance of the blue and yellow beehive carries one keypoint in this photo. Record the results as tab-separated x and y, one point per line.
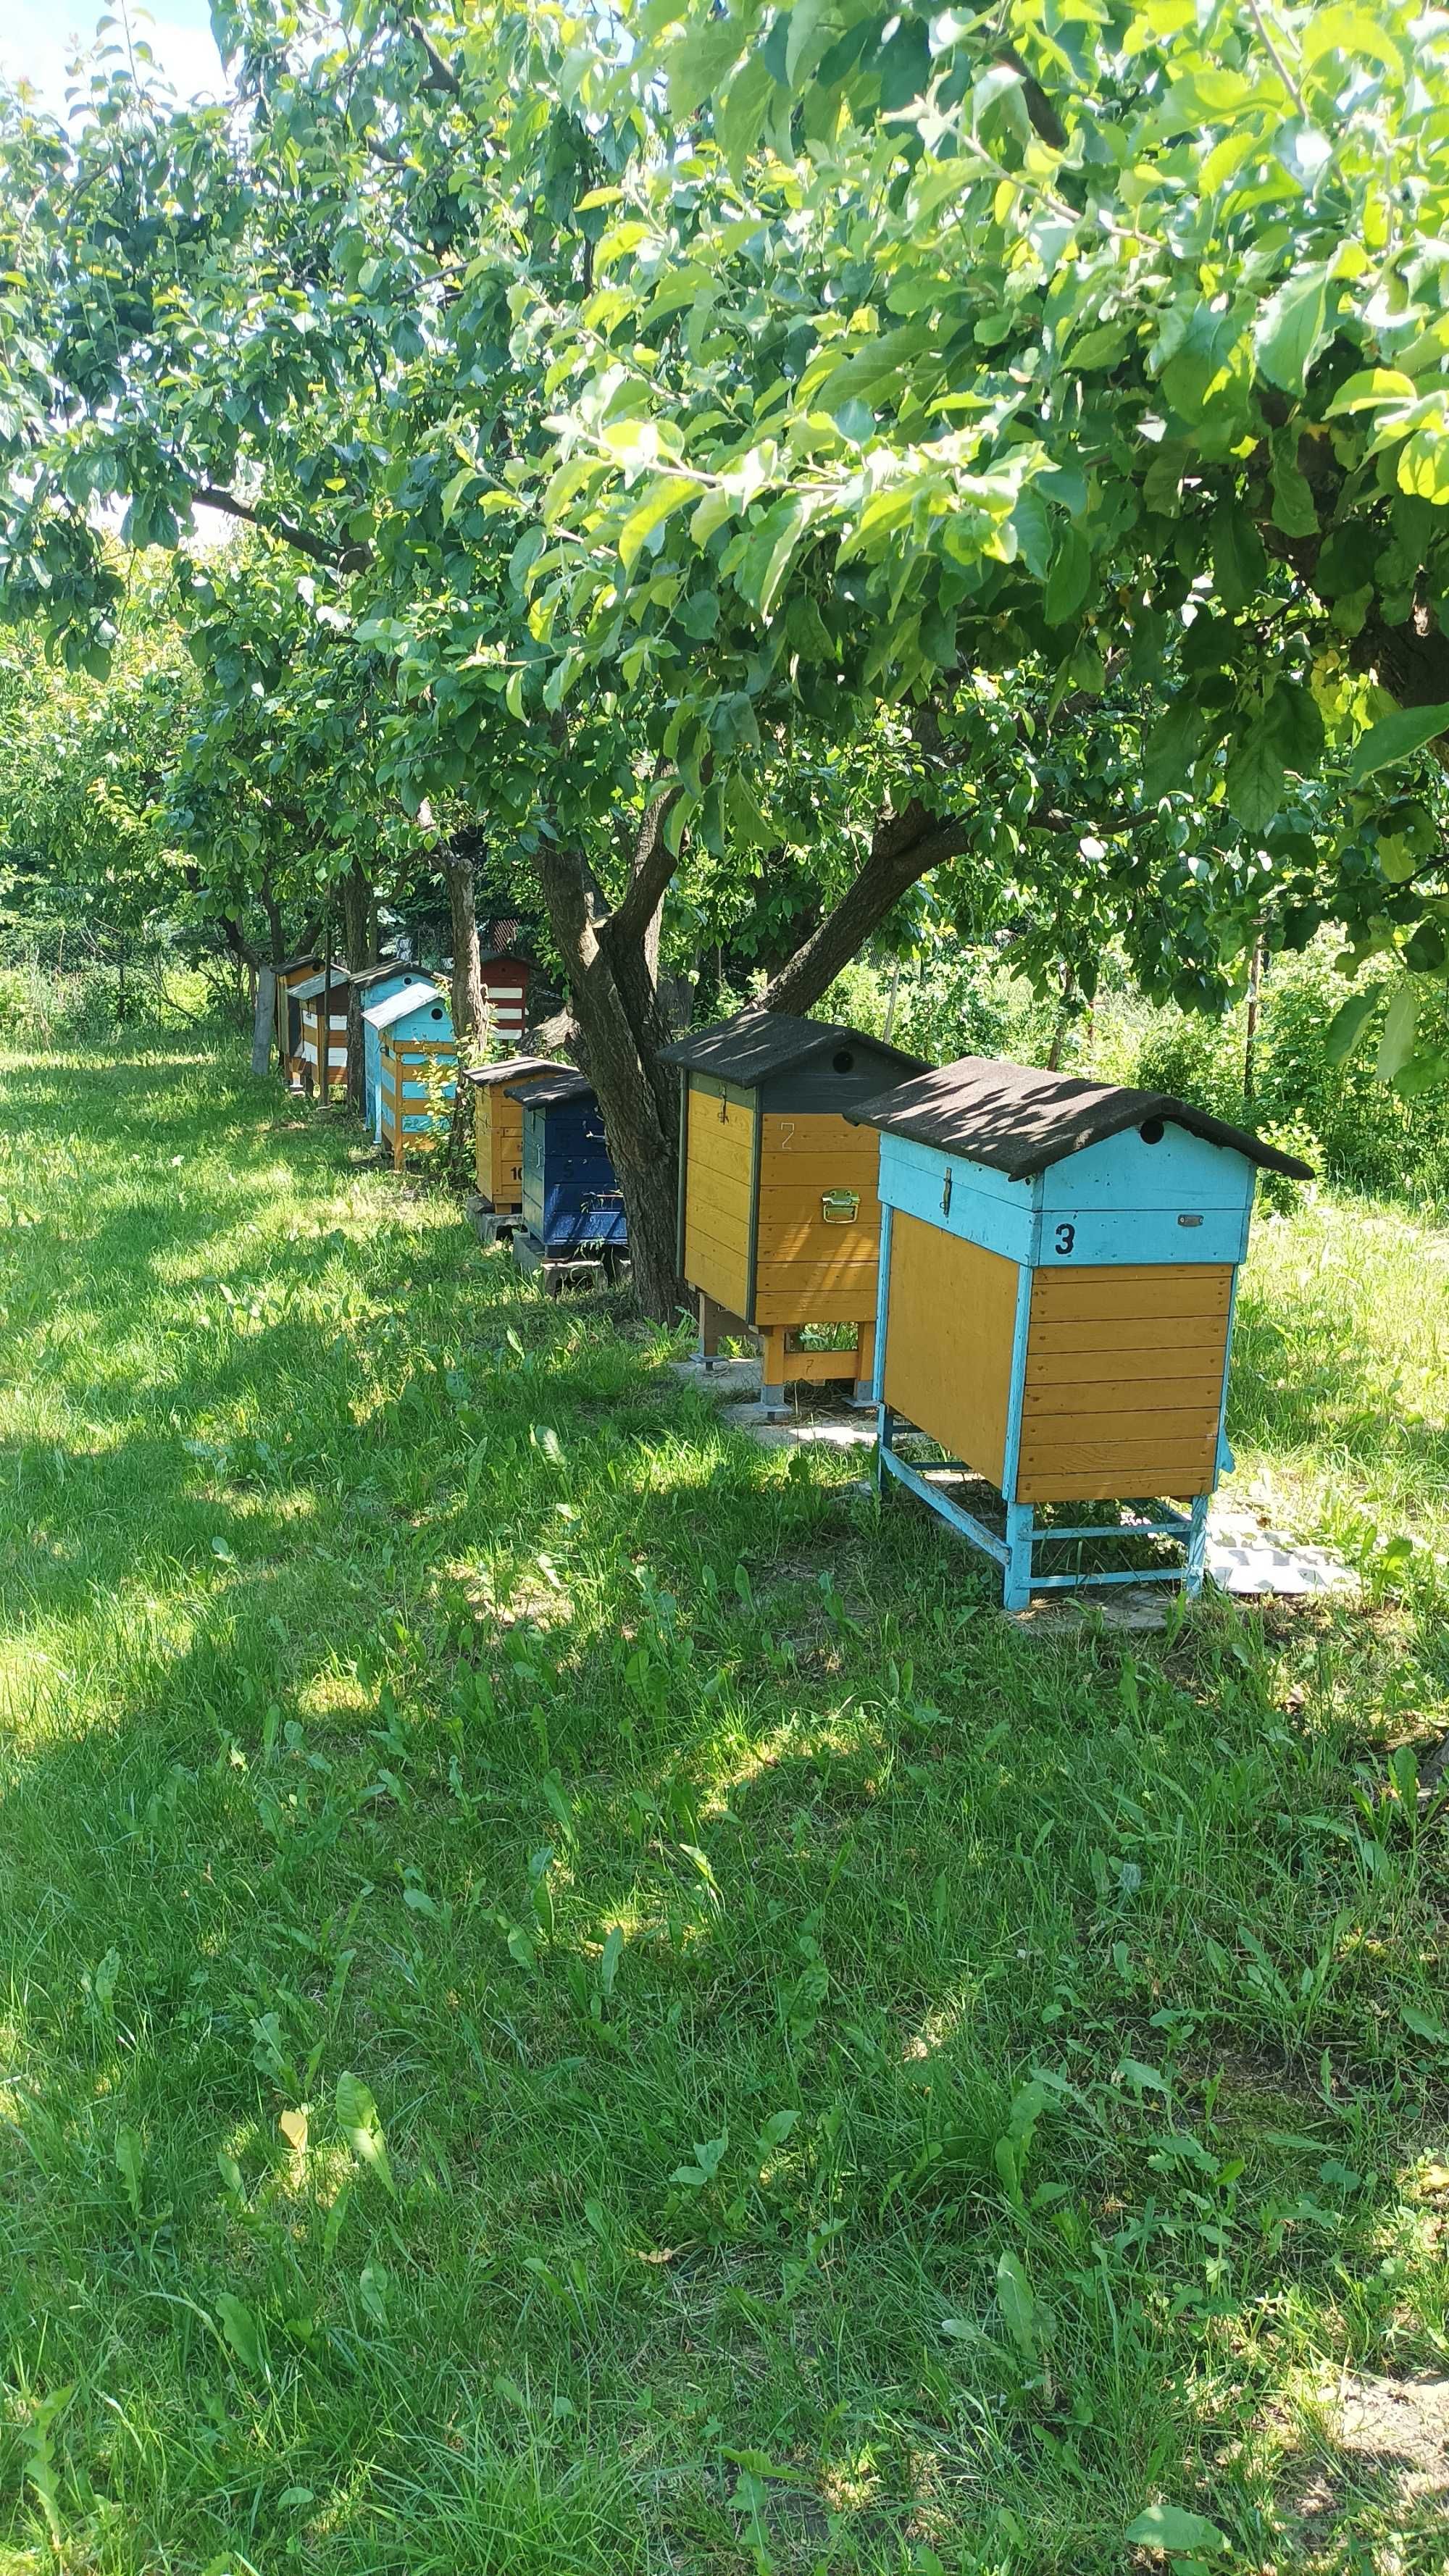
417	1068
383	985
1058	1265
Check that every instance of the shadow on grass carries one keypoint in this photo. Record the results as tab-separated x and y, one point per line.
752	1945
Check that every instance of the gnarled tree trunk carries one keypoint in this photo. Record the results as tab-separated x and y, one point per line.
610	960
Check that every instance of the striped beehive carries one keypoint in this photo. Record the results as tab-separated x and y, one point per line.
779	1223
380	985
324	1062
292	972
417	1063
505	978
1058	1261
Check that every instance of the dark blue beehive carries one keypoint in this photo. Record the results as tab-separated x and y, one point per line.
571	1199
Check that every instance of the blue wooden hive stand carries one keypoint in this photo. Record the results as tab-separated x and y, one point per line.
1058	1266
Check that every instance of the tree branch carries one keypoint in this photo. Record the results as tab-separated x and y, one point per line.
443	73
317	549
654	865
904	848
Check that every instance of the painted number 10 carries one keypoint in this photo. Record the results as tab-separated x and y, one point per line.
1066	1237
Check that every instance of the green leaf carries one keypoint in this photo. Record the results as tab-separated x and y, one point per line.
1294	725
1395	737
1401	1021
1170	2528
1069	578
240	2329
609	1958
1016	2305
1373	389
1254	779
659	503
1291	330
453	491
1348	1024
357	2119
1294	510
699	63
1423	467
1171	747
714	510
1424	2025
1239	560
130	2163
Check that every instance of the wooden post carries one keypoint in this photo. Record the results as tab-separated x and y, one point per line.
324	1032
1250	1043
263	1018
772	1367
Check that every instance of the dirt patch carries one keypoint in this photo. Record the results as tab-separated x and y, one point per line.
1381	2448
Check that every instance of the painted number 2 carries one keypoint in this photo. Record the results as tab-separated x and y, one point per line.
1066	1237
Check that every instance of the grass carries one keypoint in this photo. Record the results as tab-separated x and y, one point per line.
575	2000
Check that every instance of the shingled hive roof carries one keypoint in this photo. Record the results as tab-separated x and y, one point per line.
565	1085
757	1044
1019	1120
513	1068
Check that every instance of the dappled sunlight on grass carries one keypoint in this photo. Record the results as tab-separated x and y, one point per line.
747	1943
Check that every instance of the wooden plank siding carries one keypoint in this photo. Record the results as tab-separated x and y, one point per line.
720	1151
1124	1375
806	1271
951	1320
498	1142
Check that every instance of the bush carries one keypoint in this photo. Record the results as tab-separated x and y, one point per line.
1353	1128
40	1007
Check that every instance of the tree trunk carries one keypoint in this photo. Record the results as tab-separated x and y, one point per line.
617	1010
607	963
468	1011
264	1015
358	921
357	918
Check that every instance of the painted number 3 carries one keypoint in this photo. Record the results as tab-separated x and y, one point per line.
1066	1237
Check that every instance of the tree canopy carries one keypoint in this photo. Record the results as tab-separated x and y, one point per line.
784	456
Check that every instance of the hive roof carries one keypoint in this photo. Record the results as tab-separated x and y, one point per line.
756	1044
515	1068
565	1085
398	1005
1019	1120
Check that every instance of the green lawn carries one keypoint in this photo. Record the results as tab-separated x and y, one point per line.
575	2001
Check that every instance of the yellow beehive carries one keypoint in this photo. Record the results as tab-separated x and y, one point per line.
779	1218
1057	1268
498	1127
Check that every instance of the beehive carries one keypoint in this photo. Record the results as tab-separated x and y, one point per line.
572	1203
417	1060
505	977
779	1222
1058	1267
382	984
292	972
498	1126
324	1063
